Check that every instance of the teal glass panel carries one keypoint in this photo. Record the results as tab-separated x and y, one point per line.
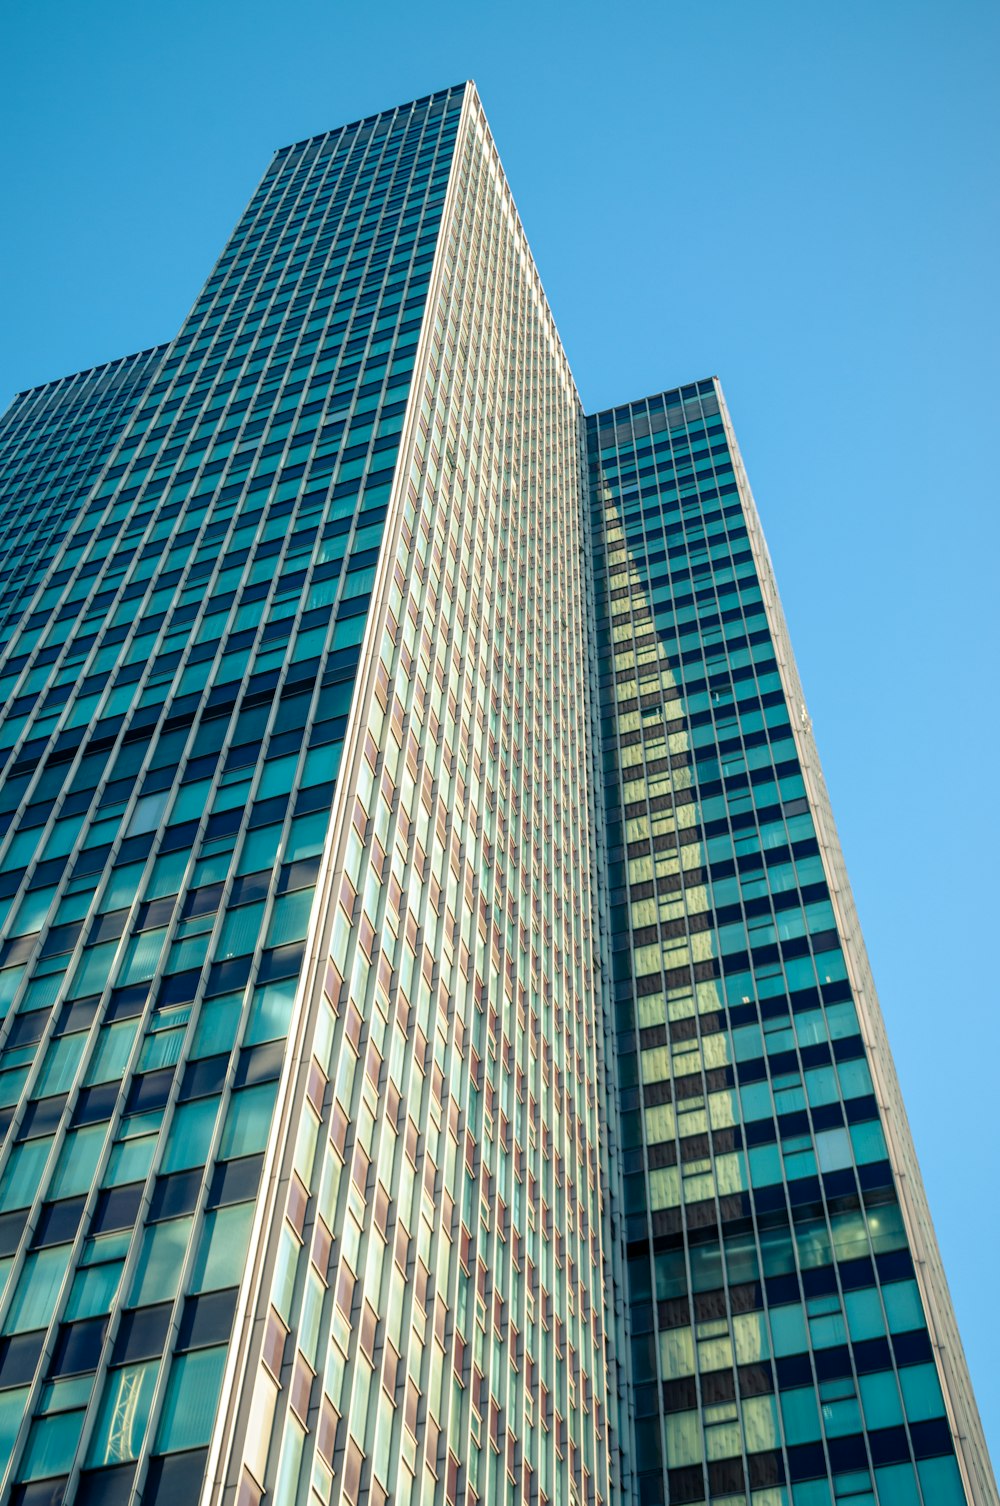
161	1261
78	1161
12	1409
131	1161
903	1306
37	1289
921	1392
788	1329
941	1482
94	1289
241	931
190	1135
23	1174
217	1025
812	1493
897	1483
880	1399
864	1314
290	919
111	1055
270	1012
800	1415
123	1416
60	1066
222	1253
189	1406
248	1121
52	1443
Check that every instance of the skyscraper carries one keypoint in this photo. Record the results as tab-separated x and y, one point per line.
439	1061
792	1337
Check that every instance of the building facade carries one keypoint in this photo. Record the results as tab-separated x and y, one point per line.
438	1060
791	1335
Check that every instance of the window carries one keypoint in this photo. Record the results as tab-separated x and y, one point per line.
192	1394
12	1405
190	1135
160	1261
222	1252
124	1414
148	811
248	1121
93	1290
37	1290
52	1443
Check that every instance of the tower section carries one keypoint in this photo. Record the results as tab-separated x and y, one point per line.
425	1304
54	440
178	668
791	1337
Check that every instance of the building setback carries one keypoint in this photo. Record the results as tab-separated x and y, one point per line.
438	1058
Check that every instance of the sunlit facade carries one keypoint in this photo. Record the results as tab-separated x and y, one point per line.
791	1335
438	1061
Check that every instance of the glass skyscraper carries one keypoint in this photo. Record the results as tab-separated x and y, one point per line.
438	1058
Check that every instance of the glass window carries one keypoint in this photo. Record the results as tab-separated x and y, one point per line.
921	1392
897	1483
141	956
124	1414
869	1142
941	1481
160	1261
880	1399
168	871
192	1393
59	1068
240	931
130	1161
259	849
93	1290
147	813
222	1252
35	1298
190	1135
217	1025
52	1443
833	1149
114	1046
92	970
760	1423
788	1329
270	1012
683	1439
77	1164
248	1121
306	837
12	1405
23	1174
290	1468
290	918
902	1304
800	1414
277	777
864	1313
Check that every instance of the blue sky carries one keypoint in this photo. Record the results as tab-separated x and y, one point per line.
798	197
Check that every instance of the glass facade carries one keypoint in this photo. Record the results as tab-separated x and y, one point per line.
53	443
425	1321
781	1348
178	667
437	1059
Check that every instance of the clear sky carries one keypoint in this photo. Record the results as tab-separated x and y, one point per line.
800	197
